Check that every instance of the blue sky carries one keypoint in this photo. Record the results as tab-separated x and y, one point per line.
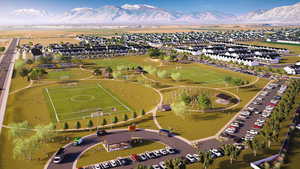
229	6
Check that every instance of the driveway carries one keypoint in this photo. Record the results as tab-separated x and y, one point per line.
74	152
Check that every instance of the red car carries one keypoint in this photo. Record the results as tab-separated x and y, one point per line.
257	127
271	104
134	157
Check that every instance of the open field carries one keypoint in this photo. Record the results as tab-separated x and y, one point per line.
88	158
294	49
141	60
289	59
47	41
200	74
197	125
82	100
66	74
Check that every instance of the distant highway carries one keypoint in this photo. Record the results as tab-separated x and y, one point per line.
6	70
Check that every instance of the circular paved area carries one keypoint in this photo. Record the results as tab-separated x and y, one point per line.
73	153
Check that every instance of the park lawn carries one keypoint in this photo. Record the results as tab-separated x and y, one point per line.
67	74
195	125
294	49
30	105
294	154
173	95
130	61
289	59
102	155
40	158
200	74
17	81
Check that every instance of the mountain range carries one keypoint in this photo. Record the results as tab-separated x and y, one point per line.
147	14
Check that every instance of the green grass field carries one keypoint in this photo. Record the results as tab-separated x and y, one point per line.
80	101
200	75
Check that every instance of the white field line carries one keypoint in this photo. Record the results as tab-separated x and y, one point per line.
115	98
57	119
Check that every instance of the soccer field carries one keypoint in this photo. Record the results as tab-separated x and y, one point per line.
80	101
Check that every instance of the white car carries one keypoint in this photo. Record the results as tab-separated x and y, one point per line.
261	120
190	158
265	115
259	124
216	152
97	166
259	99
298	127
243	116
251	108
234	124
230	130
253	132
257	112
245	113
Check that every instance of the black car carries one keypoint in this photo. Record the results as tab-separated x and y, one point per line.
101	133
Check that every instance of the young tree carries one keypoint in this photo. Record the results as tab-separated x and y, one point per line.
18	130
78	125
44	133
109	70
150	69
115	119
66	126
125	117
104	122
97	72
134	115
154	53
117	74
185	98
231	151
162	74
143	112
179	108
253	145
176	76
24	72
90	124
207	160
204	101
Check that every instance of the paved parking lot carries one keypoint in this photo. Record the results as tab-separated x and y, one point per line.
248	123
73	152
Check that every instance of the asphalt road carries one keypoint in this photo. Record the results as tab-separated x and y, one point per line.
73	152
5	63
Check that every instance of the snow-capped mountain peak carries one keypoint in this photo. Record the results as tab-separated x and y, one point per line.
30	12
136	6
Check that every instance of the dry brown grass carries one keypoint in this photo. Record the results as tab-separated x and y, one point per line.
47	41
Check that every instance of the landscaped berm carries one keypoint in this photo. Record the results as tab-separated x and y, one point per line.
77	101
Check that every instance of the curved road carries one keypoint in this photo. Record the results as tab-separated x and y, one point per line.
73	153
